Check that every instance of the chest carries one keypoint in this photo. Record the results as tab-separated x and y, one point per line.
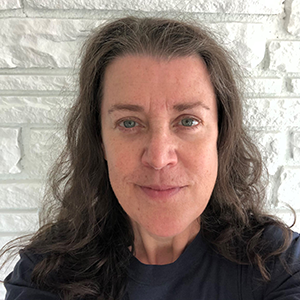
211	279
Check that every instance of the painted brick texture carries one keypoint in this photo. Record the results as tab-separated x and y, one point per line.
10	4
10	153
203	6
40	42
293	24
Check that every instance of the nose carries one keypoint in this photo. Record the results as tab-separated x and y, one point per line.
160	150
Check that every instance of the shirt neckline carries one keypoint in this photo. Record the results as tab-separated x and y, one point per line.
160	274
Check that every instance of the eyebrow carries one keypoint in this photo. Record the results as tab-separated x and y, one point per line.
137	108
185	106
130	107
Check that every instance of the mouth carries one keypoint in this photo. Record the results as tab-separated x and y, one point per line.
161	192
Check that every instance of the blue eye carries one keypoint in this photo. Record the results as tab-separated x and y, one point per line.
188	122
129	123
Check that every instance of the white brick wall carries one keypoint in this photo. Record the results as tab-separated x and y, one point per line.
202	6
39	43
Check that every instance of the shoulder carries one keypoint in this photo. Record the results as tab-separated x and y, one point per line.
288	262
24	267
275	238
19	285
284	269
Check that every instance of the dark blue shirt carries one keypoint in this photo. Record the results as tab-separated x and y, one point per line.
198	274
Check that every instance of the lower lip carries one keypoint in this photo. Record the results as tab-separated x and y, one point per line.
160	194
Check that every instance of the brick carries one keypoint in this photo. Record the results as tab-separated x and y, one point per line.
18	222
10	153
272	114
293	26
53	43
20	195
45	43
35	83
263	86
269	203
288	218
9	266
246	41
295	85
7	238
11	257
2	290
42	110
271	147
216	6
44	147
284	56
10	4
296	147
289	187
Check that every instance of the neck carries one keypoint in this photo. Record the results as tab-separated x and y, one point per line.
155	250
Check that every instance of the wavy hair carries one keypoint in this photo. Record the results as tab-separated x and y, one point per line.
85	240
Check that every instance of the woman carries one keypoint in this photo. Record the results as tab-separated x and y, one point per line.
159	188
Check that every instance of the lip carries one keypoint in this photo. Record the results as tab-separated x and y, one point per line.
161	192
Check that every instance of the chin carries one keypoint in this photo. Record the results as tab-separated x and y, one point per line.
171	229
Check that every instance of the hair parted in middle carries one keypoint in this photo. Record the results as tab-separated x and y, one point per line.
90	227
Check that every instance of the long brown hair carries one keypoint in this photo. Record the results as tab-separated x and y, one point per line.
84	242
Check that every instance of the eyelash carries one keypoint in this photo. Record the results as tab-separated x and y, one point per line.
198	122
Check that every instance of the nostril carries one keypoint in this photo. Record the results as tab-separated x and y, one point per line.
159	157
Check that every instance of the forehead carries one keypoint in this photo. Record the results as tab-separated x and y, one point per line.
144	79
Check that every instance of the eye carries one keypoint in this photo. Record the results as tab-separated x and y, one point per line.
188	122
128	123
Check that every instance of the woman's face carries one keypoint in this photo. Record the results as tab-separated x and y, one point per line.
160	130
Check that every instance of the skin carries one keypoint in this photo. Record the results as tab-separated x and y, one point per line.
160	130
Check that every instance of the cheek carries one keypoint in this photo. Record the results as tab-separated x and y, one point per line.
201	155
113	152
121	161
204	168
